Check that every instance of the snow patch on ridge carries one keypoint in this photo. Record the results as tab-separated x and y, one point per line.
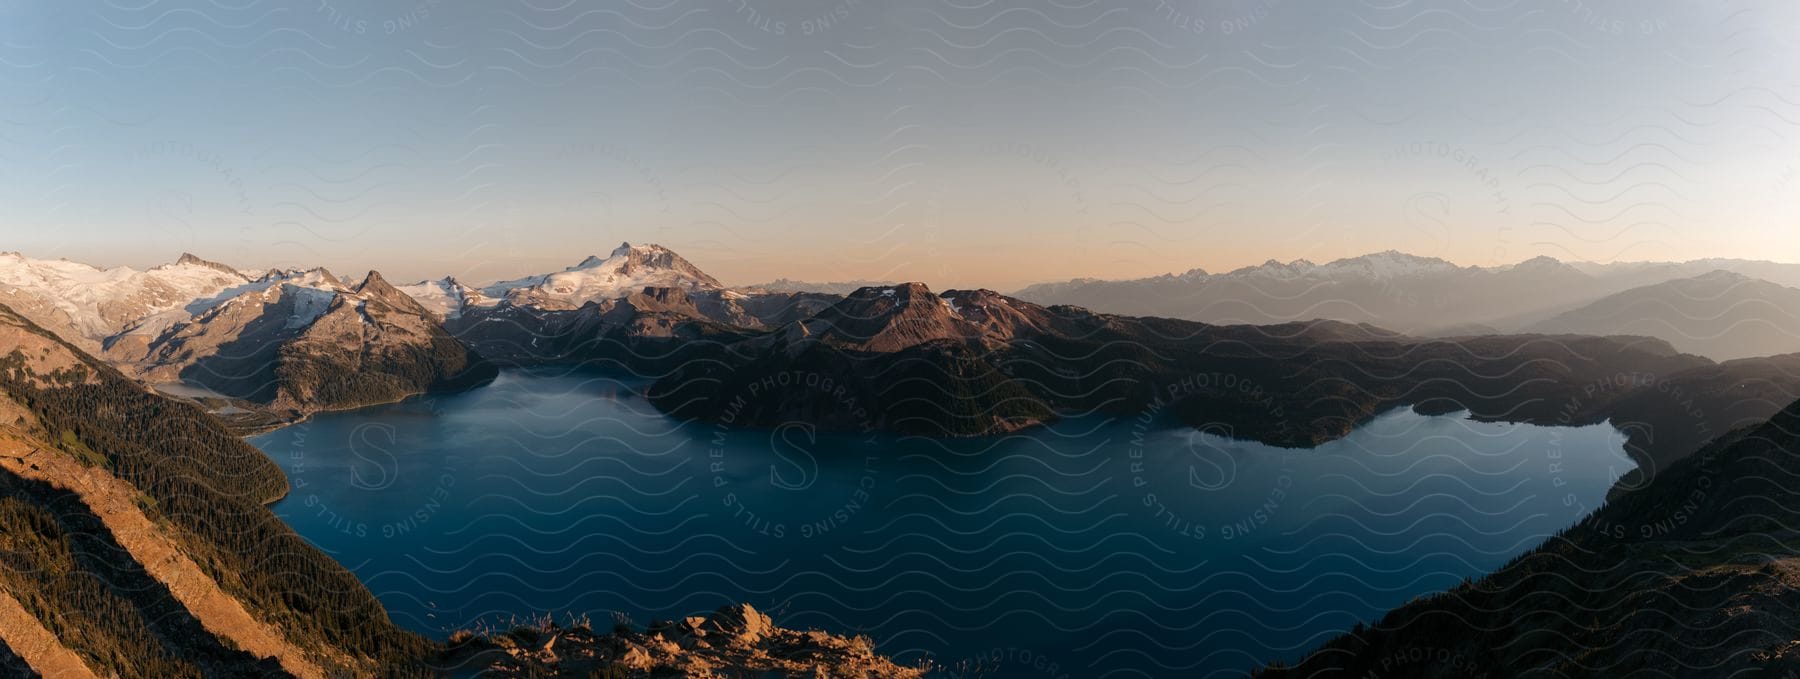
101	302
310	303
446	297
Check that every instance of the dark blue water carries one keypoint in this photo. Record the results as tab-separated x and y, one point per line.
1094	548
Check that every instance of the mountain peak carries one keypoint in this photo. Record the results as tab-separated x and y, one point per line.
1394	256
188	259
901	294
886	318
626	270
1541	264
373	282
316	277
376	288
625	251
1721	275
1388	264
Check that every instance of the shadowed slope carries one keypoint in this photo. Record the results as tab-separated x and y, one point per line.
1696	574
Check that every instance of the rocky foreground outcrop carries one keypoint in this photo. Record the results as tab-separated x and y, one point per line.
735	641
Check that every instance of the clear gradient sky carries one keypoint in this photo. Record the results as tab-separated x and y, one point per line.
961	142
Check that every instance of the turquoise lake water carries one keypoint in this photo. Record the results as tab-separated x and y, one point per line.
1097	547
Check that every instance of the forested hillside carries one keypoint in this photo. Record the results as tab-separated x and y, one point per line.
202	487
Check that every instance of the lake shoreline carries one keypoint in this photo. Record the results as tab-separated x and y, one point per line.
497	498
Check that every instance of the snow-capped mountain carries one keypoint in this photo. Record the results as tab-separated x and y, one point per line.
302	340
446	297
643	291
626	270
280	302
298	340
629	269
87	304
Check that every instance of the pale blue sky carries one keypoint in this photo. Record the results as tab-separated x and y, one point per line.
958	142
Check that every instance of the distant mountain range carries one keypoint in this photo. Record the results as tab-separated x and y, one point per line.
1431	297
1721	315
832	288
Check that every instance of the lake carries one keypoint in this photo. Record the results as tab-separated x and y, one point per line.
1097	547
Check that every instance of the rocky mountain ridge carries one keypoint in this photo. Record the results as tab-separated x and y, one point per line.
88	304
304	341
